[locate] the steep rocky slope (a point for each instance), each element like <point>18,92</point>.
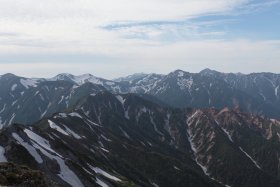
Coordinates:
<point>119,140</point>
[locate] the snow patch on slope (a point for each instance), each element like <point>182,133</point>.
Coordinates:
<point>75,135</point>
<point>43,145</point>
<point>180,74</point>
<point>155,126</point>
<point>32,151</point>
<point>13,87</point>
<point>3,109</point>
<point>75,114</point>
<point>66,132</point>
<point>40,141</point>
<point>100,182</point>
<point>56,127</point>
<point>225,131</point>
<point>28,83</point>
<point>124,133</point>
<point>65,173</point>
<point>104,173</point>
<point>121,99</point>
<point>184,83</point>
<point>193,147</point>
<point>1,123</point>
<point>2,155</point>
<point>255,163</point>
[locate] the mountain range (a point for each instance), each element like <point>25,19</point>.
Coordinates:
<point>28,100</point>
<point>180,129</point>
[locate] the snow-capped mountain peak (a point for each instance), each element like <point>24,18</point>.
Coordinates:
<point>79,79</point>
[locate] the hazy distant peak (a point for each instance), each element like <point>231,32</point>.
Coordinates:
<point>8,75</point>
<point>131,77</point>
<point>63,76</point>
<point>178,73</point>
<point>208,71</point>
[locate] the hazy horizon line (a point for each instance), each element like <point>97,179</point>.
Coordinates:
<point>135,73</point>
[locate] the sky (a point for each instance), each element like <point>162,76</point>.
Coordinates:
<point>113,38</point>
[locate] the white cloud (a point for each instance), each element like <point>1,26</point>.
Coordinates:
<point>114,10</point>
<point>34,29</point>
<point>56,24</point>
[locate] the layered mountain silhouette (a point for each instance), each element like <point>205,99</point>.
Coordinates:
<point>180,129</point>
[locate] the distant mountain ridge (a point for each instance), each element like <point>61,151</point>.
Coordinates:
<point>256,93</point>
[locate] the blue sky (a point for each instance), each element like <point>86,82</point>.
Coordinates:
<point>114,38</point>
